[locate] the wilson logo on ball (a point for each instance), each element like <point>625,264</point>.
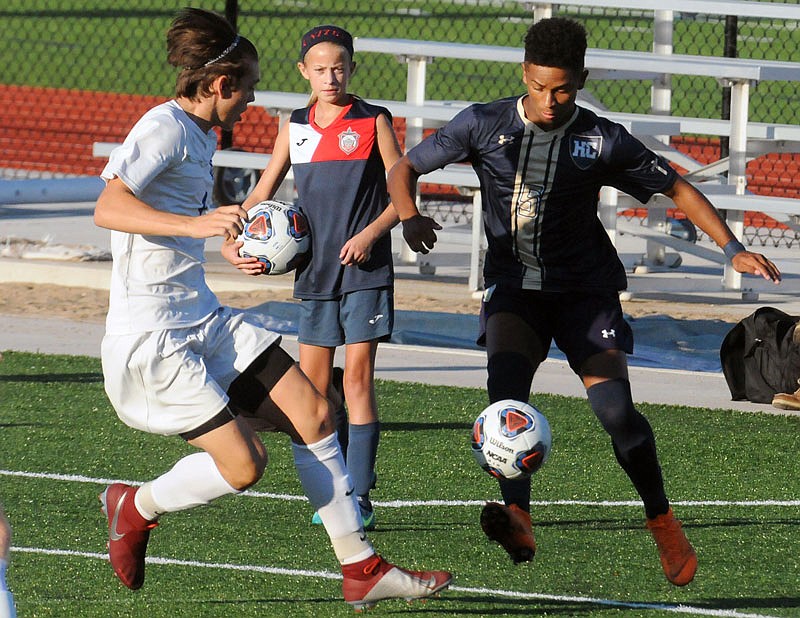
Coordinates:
<point>511,439</point>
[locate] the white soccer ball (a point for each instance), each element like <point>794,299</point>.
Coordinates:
<point>277,234</point>
<point>511,439</point>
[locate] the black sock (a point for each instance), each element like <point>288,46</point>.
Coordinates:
<point>633,441</point>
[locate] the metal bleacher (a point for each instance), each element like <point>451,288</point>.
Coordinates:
<point>724,181</point>
<point>740,74</point>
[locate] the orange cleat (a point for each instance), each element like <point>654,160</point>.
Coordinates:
<point>677,555</point>
<point>511,527</point>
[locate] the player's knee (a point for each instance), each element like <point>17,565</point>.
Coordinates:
<point>357,383</point>
<point>509,376</point>
<point>247,474</point>
<point>612,403</point>
<point>249,469</point>
<point>324,416</point>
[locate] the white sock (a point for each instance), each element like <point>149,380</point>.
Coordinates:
<point>193,481</point>
<point>7,605</point>
<point>329,488</point>
<point>6,600</point>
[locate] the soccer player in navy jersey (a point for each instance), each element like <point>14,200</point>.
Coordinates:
<point>551,271</point>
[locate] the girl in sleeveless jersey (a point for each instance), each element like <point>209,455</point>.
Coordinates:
<point>340,148</point>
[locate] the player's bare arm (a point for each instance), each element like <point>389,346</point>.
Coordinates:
<point>387,142</point>
<point>265,189</point>
<point>358,249</point>
<point>119,209</point>
<point>703,214</point>
<point>274,173</point>
<point>419,231</point>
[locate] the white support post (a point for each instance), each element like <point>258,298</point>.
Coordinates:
<point>740,102</point>
<point>542,10</point>
<point>661,92</point>
<point>661,104</point>
<point>415,95</point>
<point>478,249</point>
<point>609,199</point>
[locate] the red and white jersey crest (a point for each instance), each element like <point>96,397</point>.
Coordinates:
<point>348,141</point>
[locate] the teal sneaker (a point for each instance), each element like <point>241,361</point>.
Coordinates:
<point>367,518</point>
<point>367,513</point>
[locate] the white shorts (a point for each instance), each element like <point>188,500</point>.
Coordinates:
<point>172,381</point>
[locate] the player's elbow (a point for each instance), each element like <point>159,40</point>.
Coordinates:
<point>402,176</point>
<point>101,218</point>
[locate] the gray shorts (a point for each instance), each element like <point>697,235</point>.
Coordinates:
<point>364,315</point>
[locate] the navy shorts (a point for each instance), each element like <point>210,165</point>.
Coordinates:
<point>582,324</point>
<point>364,315</point>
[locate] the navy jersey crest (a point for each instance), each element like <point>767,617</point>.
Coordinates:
<point>585,150</point>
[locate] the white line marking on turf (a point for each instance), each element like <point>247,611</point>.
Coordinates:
<point>191,563</point>
<point>79,478</point>
<point>538,596</point>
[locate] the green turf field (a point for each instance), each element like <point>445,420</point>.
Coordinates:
<point>735,479</point>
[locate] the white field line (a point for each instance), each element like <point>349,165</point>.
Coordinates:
<point>534,596</point>
<point>677,609</point>
<point>78,478</point>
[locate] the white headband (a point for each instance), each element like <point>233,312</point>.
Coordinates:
<point>228,50</point>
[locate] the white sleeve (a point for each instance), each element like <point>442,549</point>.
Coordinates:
<point>149,148</point>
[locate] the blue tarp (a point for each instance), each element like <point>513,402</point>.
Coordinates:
<point>660,341</point>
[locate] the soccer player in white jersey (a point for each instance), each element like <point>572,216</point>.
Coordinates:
<point>339,148</point>
<point>176,362</point>
<point>551,272</point>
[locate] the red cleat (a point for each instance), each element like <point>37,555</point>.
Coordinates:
<point>128,533</point>
<point>372,580</point>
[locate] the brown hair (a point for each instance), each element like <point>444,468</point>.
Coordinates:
<point>204,46</point>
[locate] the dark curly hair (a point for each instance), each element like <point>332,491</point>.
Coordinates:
<point>556,42</point>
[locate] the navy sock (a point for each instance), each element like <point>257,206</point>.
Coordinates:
<point>342,429</point>
<point>340,415</point>
<point>517,492</point>
<point>361,454</point>
<point>510,377</point>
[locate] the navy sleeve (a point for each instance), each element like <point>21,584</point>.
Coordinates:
<point>450,144</point>
<point>635,169</point>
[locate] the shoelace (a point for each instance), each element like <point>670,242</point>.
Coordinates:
<point>373,567</point>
